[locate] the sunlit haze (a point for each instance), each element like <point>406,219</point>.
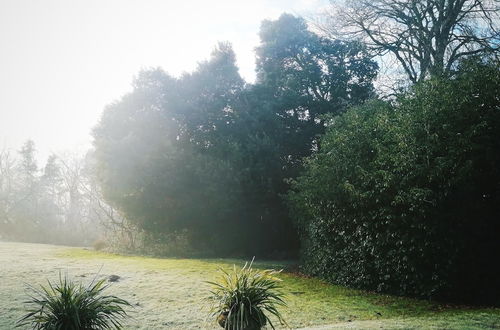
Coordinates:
<point>63,61</point>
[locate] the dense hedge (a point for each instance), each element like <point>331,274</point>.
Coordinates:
<point>404,197</point>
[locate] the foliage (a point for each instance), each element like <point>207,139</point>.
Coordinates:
<point>404,197</point>
<point>158,158</point>
<point>303,75</point>
<point>242,297</point>
<point>71,306</point>
<point>207,155</point>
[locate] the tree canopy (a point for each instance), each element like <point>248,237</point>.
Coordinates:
<point>206,156</point>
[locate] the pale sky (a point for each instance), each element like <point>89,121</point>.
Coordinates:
<point>62,61</point>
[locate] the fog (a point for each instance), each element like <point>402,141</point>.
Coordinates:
<point>336,161</point>
<point>63,61</point>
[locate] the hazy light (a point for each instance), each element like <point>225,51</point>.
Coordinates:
<point>62,61</point>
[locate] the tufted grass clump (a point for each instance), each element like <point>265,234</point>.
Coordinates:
<point>72,306</point>
<point>243,299</point>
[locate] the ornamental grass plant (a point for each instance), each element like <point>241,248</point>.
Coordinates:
<point>245,299</point>
<point>68,305</point>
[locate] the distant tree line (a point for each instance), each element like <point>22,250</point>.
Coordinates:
<point>58,203</point>
<point>36,203</point>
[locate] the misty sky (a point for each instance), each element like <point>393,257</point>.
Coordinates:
<point>62,61</point>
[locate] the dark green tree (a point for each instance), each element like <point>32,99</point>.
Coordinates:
<point>300,77</point>
<point>304,76</point>
<point>167,159</point>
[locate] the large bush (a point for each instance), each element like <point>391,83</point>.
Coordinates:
<point>404,197</point>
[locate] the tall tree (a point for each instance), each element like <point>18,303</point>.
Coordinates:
<point>51,177</point>
<point>28,195</point>
<point>205,156</point>
<point>28,166</point>
<point>304,76</point>
<point>165,156</point>
<point>51,194</point>
<point>207,95</point>
<point>7,191</point>
<point>427,37</point>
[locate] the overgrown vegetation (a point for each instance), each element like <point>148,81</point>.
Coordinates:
<point>72,306</point>
<point>403,197</point>
<point>243,298</point>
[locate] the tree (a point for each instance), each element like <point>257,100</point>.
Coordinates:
<point>206,156</point>
<point>51,179</point>
<point>28,166</point>
<point>303,76</point>
<point>27,198</point>
<point>51,171</point>
<point>118,231</point>
<point>206,97</point>
<point>8,186</point>
<point>404,197</point>
<point>427,37</point>
<point>166,158</point>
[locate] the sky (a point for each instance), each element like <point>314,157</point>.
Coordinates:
<point>62,61</point>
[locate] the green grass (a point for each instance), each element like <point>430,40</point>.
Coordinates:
<point>170,293</point>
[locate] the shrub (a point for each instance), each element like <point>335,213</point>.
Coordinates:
<point>404,197</point>
<point>70,306</point>
<point>99,244</point>
<point>243,296</point>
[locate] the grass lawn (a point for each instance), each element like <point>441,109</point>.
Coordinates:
<point>170,293</point>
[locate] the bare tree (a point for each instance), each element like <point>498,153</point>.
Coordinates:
<point>427,37</point>
<point>7,189</point>
<point>85,205</point>
<point>62,203</point>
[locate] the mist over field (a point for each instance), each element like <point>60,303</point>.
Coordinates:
<point>305,164</point>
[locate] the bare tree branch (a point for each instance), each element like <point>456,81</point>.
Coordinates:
<point>427,37</point>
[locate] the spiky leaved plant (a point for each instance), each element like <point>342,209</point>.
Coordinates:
<point>244,298</point>
<point>71,306</point>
